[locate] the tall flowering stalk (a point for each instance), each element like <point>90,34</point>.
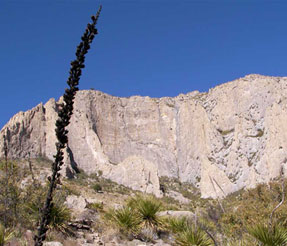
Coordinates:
<point>64,116</point>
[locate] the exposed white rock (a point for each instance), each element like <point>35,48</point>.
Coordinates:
<point>232,137</point>
<point>177,214</point>
<point>53,244</point>
<point>138,174</point>
<point>76,203</point>
<point>177,196</point>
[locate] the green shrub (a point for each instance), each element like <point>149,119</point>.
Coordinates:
<point>275,236</point>
<point>147,208</point>
<point>10,192</point>
<point>192,237</point>
<point>97,187</point>
<point>125,219</point>
<point>96,206</point>
<point>60,215</point>
<point>177,225</point>
<point>70,190</point>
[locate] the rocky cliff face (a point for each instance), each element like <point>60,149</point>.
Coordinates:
<point>232,137</point>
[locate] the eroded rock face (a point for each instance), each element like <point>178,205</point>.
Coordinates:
<point>232,137</point>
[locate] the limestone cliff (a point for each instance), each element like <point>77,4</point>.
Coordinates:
<point>232,137</point>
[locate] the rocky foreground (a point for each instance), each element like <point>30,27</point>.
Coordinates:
<point>90,210</point>
<point>233,137</point>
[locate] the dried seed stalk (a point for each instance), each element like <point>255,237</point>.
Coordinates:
<point>64,116</point>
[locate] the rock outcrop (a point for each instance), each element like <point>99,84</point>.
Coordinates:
<point>232,137</point>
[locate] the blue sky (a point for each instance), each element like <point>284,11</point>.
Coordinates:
<point>144,47</point>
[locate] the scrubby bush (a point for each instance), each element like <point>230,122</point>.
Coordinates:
<point>97,187</point>
<point>97,206</point>
<point>10,195</point>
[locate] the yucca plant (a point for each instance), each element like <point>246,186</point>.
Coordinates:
<point>126,219</point>
<point>177,225</point>
<point>266,236</point>
<point>147,208</point>
<point>60,215</point>
<point>192,237</point>
<point>5,235</point>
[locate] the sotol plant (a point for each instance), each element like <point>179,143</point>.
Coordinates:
<point>266,236</point>
<point>63,121</point>
<point>125,219</point>
<point>193,237</point>
<point>147,209</point>
<point>177,225</point>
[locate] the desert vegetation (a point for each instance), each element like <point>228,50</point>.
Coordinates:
<point>131,215</point>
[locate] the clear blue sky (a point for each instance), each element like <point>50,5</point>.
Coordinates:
<point>144,47</point>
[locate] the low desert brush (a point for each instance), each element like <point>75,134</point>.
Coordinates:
<point>193,237</point>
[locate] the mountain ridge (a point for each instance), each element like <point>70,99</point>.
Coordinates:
<point>220,141</point>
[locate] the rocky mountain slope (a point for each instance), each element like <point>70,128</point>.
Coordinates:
<point>232,137</point>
